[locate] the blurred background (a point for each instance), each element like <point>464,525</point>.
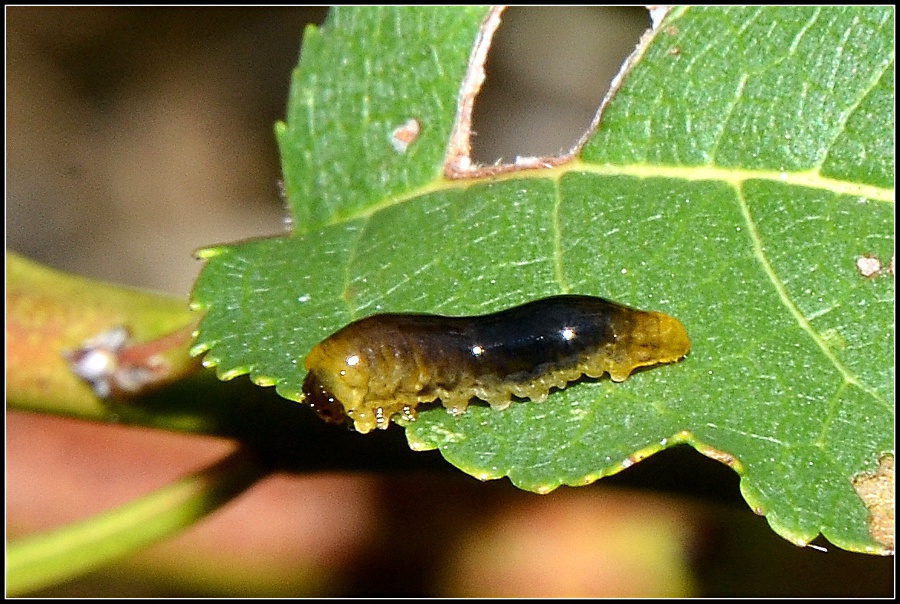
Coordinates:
<point>137,135</point>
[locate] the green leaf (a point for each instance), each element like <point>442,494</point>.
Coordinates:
<point>367,73</point>
<point>742,169</point>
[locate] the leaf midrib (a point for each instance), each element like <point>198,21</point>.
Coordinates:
<point>735,177</point>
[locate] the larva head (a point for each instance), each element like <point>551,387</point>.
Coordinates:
<point>339,375</point>
<point>322,401</point>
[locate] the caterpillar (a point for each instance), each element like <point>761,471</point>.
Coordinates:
<point>387,364</point>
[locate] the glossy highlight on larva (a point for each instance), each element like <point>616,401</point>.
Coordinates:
<point>387,364</point>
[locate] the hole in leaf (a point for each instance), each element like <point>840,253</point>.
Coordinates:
<point>547,72</point>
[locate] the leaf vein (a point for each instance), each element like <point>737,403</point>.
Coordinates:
<point>557,239</point>
<point>723,128</point>
<point>841,124</point>
<point>786,300</point>
<point>351,257</point>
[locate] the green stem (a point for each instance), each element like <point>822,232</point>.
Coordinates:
<point>41,560</point>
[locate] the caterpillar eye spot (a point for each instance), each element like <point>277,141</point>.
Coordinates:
<point>521,352</point>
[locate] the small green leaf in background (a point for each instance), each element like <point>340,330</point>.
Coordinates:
<point>742,169</point>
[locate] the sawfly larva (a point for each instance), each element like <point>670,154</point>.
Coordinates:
<point>386,364</point>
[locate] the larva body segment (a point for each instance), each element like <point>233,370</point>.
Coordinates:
<point>389,363</point>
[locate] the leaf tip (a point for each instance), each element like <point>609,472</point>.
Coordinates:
<point>226,374</point>
<point>291,394</point>
<point>199,348</point>
<point>206,253</point>
<point>264,380</point>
